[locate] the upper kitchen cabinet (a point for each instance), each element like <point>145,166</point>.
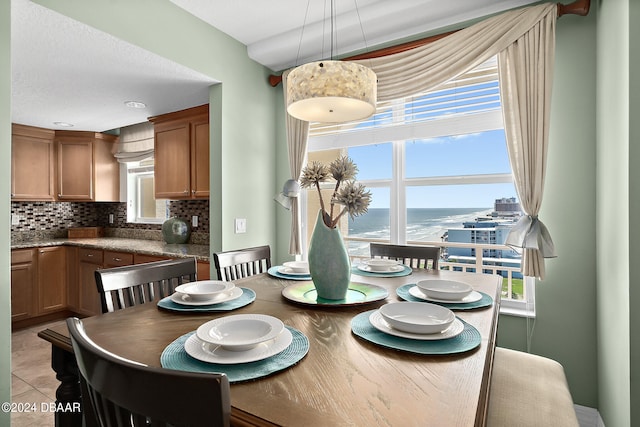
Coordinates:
<point>181,152</point>
<point>87,169</point>
<point>32,163</point>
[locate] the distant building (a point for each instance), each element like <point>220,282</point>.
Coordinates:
<point>491,230</point>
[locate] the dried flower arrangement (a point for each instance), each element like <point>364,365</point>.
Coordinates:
<point>348,193</point>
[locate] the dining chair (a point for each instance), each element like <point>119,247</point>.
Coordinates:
<point>413,256</point>
<point>232,265</point>
<point>118,391</point>
<point>122,287</point>
<point>528,390</point>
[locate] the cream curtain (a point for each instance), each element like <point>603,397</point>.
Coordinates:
<point>526,72</point>
<point>524,40</point>
<point>297,134</point>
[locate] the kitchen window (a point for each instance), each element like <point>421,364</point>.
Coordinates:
<point>142,206</point>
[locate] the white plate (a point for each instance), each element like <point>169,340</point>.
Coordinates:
<point>289,272</point>
<point>394,269</point>
<point>240,332</point>
<point>472,297</point>
<point>212,353</point>
<point>378,322</point>
<point>185,299</point>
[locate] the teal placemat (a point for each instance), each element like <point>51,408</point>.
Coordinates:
<point>247,297</point>
<point>469,338</point>
<point>485,301</point>
<point>174,356</point>
<point>273,271</point>
<point>404,272</point>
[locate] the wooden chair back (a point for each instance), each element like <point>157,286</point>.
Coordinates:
<point>413,256</point>
<point>122,287</point>
<point>123,392</point>
<point>232,265</point>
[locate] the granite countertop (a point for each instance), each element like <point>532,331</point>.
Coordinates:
<point>139,246</point>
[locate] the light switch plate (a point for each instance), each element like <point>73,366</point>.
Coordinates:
<point>194,221</point>
<point>241,225</point>
<point>15,219</point>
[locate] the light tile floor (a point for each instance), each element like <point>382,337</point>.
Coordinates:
<point>32,379</point>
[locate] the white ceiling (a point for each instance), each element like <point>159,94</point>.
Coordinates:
<point>65,71</point>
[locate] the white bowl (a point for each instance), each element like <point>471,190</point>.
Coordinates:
<point>380,264</point>
<point>417,317</point>
<point>444,289</point>
<point>240,332</point>
<point>205,290</point>
<point>297,266</point>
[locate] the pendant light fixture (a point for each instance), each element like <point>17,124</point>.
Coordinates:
<point>331,91</point>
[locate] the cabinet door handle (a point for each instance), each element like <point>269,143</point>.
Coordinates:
<point>185,192</point>
<point>89,255</point>
<point>117,259</point>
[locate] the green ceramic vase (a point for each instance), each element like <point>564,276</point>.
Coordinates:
<point>329,262</point>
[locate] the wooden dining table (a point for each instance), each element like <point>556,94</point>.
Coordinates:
<point>343,380</point>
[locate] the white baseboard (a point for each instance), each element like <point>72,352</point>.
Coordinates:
<point>588,417</point>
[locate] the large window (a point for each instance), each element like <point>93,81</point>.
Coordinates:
<point>437,167</point>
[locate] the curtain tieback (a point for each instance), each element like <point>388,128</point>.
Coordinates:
<point>531,233</point>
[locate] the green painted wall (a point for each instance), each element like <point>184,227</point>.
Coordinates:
<point>634,213</point>
<point>565,325</point>
<point>243,124</point>
<point>5,207</point>
<point>613,210</point>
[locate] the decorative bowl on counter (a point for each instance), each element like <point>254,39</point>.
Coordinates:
<point>176,230</point>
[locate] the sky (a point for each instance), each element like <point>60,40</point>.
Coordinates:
<point>478,153</point>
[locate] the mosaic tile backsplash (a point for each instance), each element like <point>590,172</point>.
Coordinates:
<point>44,220</point>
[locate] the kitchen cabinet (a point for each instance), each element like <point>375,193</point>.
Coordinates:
<point>22,284</point>
<point>32,163</point>
<point>52,279</point>
<point>87,170</point>
<point>181,153</point>
<point>89,260</point>
<point>38,282</point>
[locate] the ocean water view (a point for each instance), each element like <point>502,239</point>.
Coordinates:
<point>423,224</point>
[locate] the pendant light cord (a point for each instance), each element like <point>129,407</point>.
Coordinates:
<point>304,24</point>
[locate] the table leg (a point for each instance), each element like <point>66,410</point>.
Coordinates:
<point>68,397</point>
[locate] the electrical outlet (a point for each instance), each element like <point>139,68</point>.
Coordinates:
<point>241,225</point>
<point>15,219</point>
<point>194,221</point>
<point>110,218</point>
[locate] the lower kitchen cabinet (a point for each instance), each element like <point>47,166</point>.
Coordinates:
<point>52,279</point>
<point>22,284</point>
<point>89,260</point>
<point>38,282</point>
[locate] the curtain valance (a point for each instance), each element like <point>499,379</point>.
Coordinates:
<point>135,143</point>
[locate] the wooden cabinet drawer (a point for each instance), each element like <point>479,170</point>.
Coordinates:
<point>93,256</point>
<point>117,259</point>
<point>144,258</point>
<point>20,256</point>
